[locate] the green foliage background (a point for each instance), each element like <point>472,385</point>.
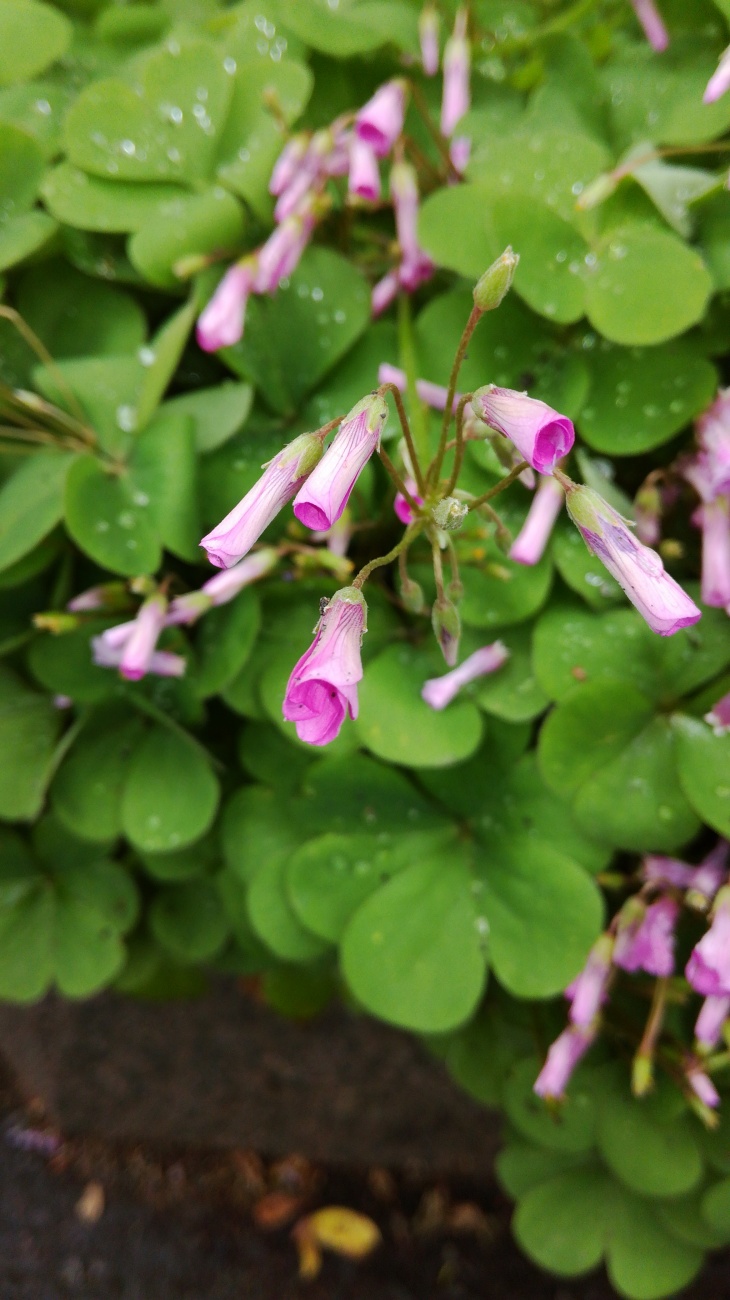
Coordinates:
<point>437,870</point>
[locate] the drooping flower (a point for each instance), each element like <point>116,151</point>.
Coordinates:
<point>534,535</point>
<point>562,1058</point>
<point>380,121</point>
<point>702,1085</point>
<point>401,506</point>
<point>132,647</point>
<point>279,256</point>
<point>456,98</point>
<point>428,32</point>
<point>221,322</point>
<point>719,715</point>
<point>640,571</point>
<point>322,688</point>
<point>234,536</point>
<point>589,989</point>
<point>364,179</point>
<point>648,943</point>
<point>652,23</point>
<point>713,1014</point>
<point>221,588</point>
<point>543,436</point>
<point>321,500</point>
<point>440,691</point>
<point>708,968</point>
<point>720,80</point>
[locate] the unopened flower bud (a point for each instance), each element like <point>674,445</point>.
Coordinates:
<point>411,594</point>
<point>495,284</point>
<point>449,514</point>
<point>447,628</point>
<point>55,622</point>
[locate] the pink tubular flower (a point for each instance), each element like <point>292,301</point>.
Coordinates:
<point>440,691</point>
<point>321,500</point>
<point>364,179</point>
<point>589,989</point>
<point>401,506</point>
<point>720,80</point>
<point>714,519</point>
<point>713,1014</point>
<point>708,968</point>
<point>380,121</point>
<point>658,870</point>
<point>404,195</point>
<point>534,535</point>
<point>719,715</point>
<point>384,293</point>
<point>457,60</point>
<point>639,570</point>
<point>428,32</point>
<point>223,587</point>
<point>707,878</point>
<point>652,23</point>
<point>278,257</point>
<point>460,152</point>
<point>539,433</point>
<point>131,647</point>
<point>649,945</point>
<point>562,1058</point>
<point>234,536</point>
<point>703,1087</point>
<point>288,163</point>
<point>322,688</point>
<point>220,324</point>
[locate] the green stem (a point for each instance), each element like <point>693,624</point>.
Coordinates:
<point>471,324</point>
<point>407,356</point>
<point>459,454</point>
<point>438,568</point>
<point>500,487</point>
<point>405,426</point>
<point>397,480</point>
<point>411,532</point>
<point>439,141</point>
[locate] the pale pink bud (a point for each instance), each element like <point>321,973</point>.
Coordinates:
<point>534,535</point>
<point>404,195</point>
<point>702,1086</point>
<point>401,506</point>
<point>542,435</point>
<point>713,435</point>
<point>708,968</point>
<point>223,587</point>
<point>428,32</point>
<point>440,691</point>
<point>220,324</point>
<point>658,870</point>
<point>720,79</point>
<point>714,520</point>
<point>589,989</point>
<point>460,152</point>
<point>639,570</point>
<point>131,646</point>
<point>234,536</point>
<point>288,163</point>
<point>384,292</point>
<point>648,944</point>
<point>652,23</point>
<point>325,494</point>
<point>87,601</point>
<point>562,1058</point>
<point>279,256</point>
<point>62,702</point>
<point>433,395</point>
<point>364,179</point>
<point>713,1014</point>
<point>322,688</point>
<point>719,715</point>
<point>380,121</point>
<point>457,62</point>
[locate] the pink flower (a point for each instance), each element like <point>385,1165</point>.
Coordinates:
<point>713,1014</point>
<point>325,494</point>
<point>534,535</point>
<point>714,519</point>
<point>279,256</point>
<point>708,968</point>
<point>460,152</point>
<point>234,536</point>
<point>401,506</point>
<point>457,60</point>
<point>648,944</point>
<point>223,587</point>
<point>589,989</point>
<point>364,179</point>
<point>702,1086</point>
<point>651,21</point>
<point>415,272</point>
<point>440,691</point>
<point>384,292</point>
<point>288,163</point>
<point>720,79</point>
<point>659,870</point>
<point>562,1058</point>
<point>719,715</point>
<point>639,570</point>
<point>428,32</point>
<point>322,688</point>
<point>542,435</point>
<point>404,195</point>
<point>380,121</point>
<point>131,647</point>
<point>713,436</point>
<point>220,324</point>
<point>707,878</point>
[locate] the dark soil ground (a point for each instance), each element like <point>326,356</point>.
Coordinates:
<point>103,1222</point>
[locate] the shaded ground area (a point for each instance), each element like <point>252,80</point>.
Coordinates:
<point>191,1226</point>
